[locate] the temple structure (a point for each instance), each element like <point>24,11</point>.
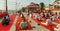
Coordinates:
<point>32,7</point>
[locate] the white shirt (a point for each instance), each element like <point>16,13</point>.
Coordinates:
<point>45,14</point>
<point>30,15</point>
<point>36,16</point>
<point>21,15</point>
<point>57,29</point>
<point>53,17</point>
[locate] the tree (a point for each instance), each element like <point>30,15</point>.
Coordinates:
<point>42,5</point>
<point>37,4</point>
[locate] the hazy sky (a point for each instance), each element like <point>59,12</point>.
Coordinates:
<point>21,3</point>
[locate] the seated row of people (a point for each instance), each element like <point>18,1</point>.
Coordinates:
<point>49,18</point>
<point>45,15</point>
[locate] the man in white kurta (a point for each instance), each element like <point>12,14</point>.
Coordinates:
<point>58,28</point>
<point>53,18</point>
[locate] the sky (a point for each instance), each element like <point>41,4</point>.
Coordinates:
<point>21,3</point>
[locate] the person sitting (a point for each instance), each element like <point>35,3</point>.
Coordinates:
<point>8,18</point>
<point>36,16</point>
<point>20,15</point>
<point>23,24</point>
<point>53,17</point>
<point>30,15</point>
<point>5,21</point>
<point>59,15</point>
<point>48,22</point>
<point>39,18</point>
<point>47,15</point>
<point>57,28</point>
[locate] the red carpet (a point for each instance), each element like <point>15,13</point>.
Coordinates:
<point>1,14</point>
<point>48,27</point>
<point>7,28</point>
<point>19,21</point>
<point>57,21</point>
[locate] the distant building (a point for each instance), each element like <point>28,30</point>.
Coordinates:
<point>32,7</point>
<point>57,5</point>
<point>54,7</point>
<point>50,7</point>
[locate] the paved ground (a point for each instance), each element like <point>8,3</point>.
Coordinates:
<point>13,28</point>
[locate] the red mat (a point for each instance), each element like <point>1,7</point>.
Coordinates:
<point>7,28</point>
<point>1,14</point>
<point>48,27</point>
<point>57,21</point>
<point>18,23</point>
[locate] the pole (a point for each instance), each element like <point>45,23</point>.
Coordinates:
<point>6,6</point>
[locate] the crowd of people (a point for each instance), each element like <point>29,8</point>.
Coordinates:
<point>46,15</point>
<point>50,17</point>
